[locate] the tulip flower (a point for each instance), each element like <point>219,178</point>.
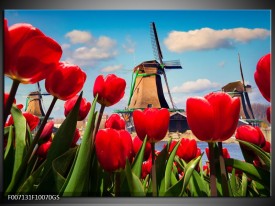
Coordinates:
<point>213,117</point>
<point>46,133</point>
<point>137,143</point>
<point>152,122</point>
<point>251,134</point>
<point>146,168</point>
<point>262,76</point>
<point>266,147</point>
<point>115,121</point>
<point>113,147</point>
<point>76,137</point>
<point>187,149</point>
<point>29,55</point>
<point>6,96</point>
<point>224,152</point>
<point>268,112</point>
<point>43,149</point>
<point>83,109</point>
<point>206,169</point>
<point>110,89</point>
<point>31,119</point>
<point>66,81</point>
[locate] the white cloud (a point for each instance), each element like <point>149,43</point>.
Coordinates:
<point>91,49</point>
<point>77,36</point>
<point>221,64</point>
<point>196,86</point>
<point>111,68</point>
<point>65,46</point>
<point>207,38</point>
<point>129,45</point>
<point>94,53</point>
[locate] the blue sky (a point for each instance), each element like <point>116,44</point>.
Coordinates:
<point>206,42</point>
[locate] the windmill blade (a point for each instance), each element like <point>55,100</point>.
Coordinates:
<point>155,43</point>
<point>172,64</point>
<point>245,92</point>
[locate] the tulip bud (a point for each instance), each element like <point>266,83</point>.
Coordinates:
<point>83,109</point>
<point>110,89</point>
<point>115,121</point>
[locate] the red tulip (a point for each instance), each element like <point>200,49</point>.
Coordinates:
<point>110,89</point>
<point>266,147</point>
<point>29,55</point>
<point>187,149</point>
<point>198,152</point>
<point>115,121</point>
<point>213,117</point>
<point>262,76</point>
<point>6,96</point>
<point>146,168</point>
<point>47,132</point>
<point>66,81</point>
<point>225,153</point>
<point>83,109</point>
<point>152,122</point>
<point>268,112</point>
<point>137,143</point>
<point>43,149</point>
<point>250,134</point>
<point>76,137</point>
<point>113,147</point>
<point>31,119</point>
<point>206,169</point>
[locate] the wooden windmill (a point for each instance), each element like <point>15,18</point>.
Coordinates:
<point>146,88</point>
<point>241,90</point>
<point>34,103</point>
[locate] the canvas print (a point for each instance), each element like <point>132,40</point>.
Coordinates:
<point>127,103</point>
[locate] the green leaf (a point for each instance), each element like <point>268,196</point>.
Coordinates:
<point>198,186</point>
<point>60,144</point>
<point>20,126</point>
<point>179,188</point>
<point>244,185</point>
<point>161,163</point>
<point>189,171</point>
<point>258,174</point>
<point>30,183</point>
<point>62,166</point>
<point>258,151</point>
<point>8,131</point>
<point>77,186</point>
<point>166,183</point>
<point>8,157</point>
<point>137,164</point>
<point>135,185</point>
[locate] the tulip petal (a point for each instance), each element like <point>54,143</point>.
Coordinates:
<point>139,120</point>
<point>200,118</point>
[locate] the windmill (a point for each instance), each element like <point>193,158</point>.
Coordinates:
<point>241,90</point>
<point>146,88</point>
<point>34,102</point>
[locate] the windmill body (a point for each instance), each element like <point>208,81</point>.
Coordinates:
<point>147,87</point>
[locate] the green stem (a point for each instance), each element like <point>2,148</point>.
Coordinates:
<point>14,87</point>
<point>117,184</point>
<point>223,171</point>
<point>153,172</point>
<point>212,160</point>
<point>12,187</point>
<point>98,121</point>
